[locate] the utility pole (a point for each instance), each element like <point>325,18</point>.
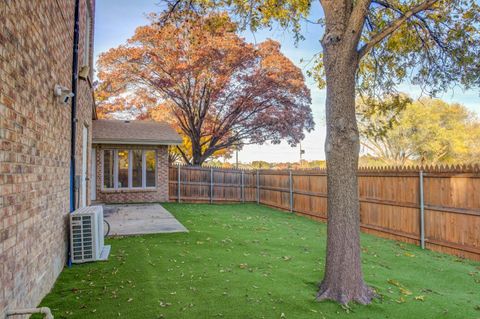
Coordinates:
<point>302,151</point>
<point>236,157</point>
<point>236,147</point>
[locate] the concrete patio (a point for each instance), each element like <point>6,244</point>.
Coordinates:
<point>138,219</point>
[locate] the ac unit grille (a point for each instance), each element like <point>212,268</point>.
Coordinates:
<point>82,236</point>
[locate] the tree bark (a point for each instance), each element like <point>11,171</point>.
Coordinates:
<point>343,281</point>
<point>196,153</point>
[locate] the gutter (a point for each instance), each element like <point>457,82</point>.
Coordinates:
<point>136,142</point>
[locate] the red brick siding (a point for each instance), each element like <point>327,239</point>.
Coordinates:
<point>36,39</point>
<point>159,194</point>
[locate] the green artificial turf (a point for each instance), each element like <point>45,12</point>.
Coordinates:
<point>249,261</point>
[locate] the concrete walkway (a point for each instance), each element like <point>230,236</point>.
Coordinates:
<point>140,219</point>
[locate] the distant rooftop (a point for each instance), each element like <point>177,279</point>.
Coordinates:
<point>134,132</point>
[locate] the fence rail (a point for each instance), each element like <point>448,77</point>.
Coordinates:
<point>435,207</point>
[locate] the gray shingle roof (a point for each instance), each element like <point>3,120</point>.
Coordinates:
<point>134,132</point>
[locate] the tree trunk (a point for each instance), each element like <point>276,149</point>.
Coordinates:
<point>197,158</point>
<point>343,280</point>
<point>196,161</point>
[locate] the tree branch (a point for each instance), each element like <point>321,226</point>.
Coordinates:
<point>182,153</point>
<point>394,26</point>
<point>357,18</point>
<point>422,22</point>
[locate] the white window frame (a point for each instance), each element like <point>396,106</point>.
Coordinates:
<point>102,169</point>
<point>115,169</point>
<point>144,169</point>
<point>130,169</point>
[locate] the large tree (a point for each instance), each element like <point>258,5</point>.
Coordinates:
<point>368,47</point>
<point>428,131</point>
<point>183,152</point>
<point>221,90</point>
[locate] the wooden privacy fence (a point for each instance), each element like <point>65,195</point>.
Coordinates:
<point>436,207</point>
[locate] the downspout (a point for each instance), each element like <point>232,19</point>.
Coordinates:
<point>76,36</point>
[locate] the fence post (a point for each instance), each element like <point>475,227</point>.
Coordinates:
<point>211,185</point>
<point>178,183</point>
<point>258,188</point>
<point>290,182</point>
<point>422,213</point>
<point>243,187</point>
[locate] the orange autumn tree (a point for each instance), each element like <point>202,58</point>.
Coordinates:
<point>220,90</point>
<point>182,152</point>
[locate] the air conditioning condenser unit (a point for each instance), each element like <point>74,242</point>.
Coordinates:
<point>86,235</point>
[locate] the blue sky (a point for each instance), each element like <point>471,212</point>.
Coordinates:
<point>116,21</point>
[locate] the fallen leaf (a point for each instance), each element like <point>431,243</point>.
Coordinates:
<point>165,304</point>
<point>405,292</point>
<point>394,282</point>
<point>420,298</point>
<point>346,308</point>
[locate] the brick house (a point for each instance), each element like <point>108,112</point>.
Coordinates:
<point>130,161</point>
<point>37,155</point>
<point>48,164</point>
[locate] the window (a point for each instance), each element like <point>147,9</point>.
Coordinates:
<point>88,28</point>
<point>137,169</point>
<point>129,169</point>
<point>108,165</point>
<point>150,165</point>
<point>122,169</point>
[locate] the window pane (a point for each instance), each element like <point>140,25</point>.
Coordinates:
<point>107,169</point>
<point>137,168</point>
<point>123,169</point>
<point>151,164</point>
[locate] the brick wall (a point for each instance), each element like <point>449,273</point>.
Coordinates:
<point>36,39</point>
<point>159,194</point>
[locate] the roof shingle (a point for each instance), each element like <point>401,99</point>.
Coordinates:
<point>134,132</point>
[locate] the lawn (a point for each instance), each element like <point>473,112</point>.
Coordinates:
<point>249,261</point>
